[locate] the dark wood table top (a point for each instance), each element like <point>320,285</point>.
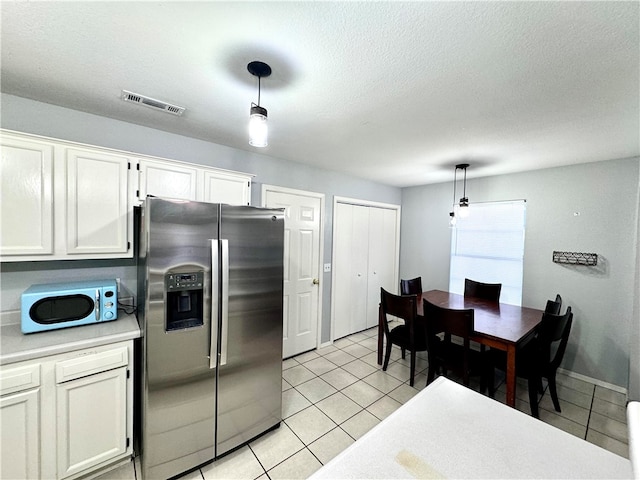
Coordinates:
<point>500,321</point>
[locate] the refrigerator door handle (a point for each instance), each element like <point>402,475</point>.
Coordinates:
<point>224,298</point>
<point>215,304</point>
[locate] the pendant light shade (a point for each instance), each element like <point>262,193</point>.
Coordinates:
<point>258,128</point>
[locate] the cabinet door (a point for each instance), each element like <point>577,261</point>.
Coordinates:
<point>221,187</point>
<point>167,179</point>
<point>26,197</point>
<point>97,203</point>
<point>91,420</point>
<point>20,435</point>
<point>382,259</point>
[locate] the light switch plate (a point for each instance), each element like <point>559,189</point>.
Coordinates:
<point>327,267</point>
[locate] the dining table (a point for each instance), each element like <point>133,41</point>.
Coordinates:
<point>497,325</point>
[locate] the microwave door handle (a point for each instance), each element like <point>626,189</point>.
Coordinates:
<point>97,305</point>
<point>213,338</point>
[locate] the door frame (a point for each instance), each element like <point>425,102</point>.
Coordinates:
<point>364,203</point>
<point>306,193</point>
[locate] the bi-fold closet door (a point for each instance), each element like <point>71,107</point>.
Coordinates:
<point>365,258</point>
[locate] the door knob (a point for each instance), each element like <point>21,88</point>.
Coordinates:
<point>316,281</point>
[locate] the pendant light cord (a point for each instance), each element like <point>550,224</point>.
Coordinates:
<point>464,191</point>
<point>258,90</point>
<point>455,177</point>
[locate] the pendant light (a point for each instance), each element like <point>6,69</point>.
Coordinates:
<point>258,130</point>
<point>462,208</point>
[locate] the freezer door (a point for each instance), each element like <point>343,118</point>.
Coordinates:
<point>250,370</point>
<point>178,401</point>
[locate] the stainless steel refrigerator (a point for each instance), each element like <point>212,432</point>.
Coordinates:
<point>210,286</point>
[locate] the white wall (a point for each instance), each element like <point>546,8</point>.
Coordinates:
<point>634,338</point>
<point>28,116</point>
<point>602,298</point>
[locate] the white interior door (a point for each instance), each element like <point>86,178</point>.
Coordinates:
<point>303,212</point>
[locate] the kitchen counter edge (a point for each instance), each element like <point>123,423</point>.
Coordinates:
<point>17,347</point>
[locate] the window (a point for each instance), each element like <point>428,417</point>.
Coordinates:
<point>488,246</point>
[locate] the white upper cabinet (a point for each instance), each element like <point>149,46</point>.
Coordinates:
<point>170,179</point>
<point>97,203</point>
<point>167,179</point>
<point>224,187</point>
<point>61,200</point>
<point>26,197</point>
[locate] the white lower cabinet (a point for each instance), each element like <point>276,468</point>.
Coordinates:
<point>20,435</point>
<point>67,415</point>
<point>92,421</point>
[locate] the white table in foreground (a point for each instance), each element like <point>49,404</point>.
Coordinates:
<point>449,431</point>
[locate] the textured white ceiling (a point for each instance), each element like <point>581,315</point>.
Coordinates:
<point>395,92</point>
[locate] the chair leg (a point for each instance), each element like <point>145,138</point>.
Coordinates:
<point>540,386</point>
<point>387,355</point>
<point>491,381</point>
<point>403,352</point>
<point>554,392</point>
<point>532,383</point>
<point>413,367</point>
<point>431,372</point>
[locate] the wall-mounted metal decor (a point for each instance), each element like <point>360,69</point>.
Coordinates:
<point>576,258</point>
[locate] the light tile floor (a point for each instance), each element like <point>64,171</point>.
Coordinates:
<point>333,396</point>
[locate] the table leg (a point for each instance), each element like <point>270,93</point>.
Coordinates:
<point>511,375</point>
<point>380,334</point>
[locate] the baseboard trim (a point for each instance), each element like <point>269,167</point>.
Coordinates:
<point>600,383</point>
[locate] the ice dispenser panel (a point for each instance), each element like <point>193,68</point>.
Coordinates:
<point>184,300</point>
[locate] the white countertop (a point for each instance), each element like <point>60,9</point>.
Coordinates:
<point>633,425</point>
<point>449,431</point>
<point>16,346</point>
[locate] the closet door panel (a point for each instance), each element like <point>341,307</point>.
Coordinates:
<point>360,267</point>
<point>342,284</point>
<point>382,259</point>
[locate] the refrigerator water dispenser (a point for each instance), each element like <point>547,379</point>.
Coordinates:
<point>184,300</point>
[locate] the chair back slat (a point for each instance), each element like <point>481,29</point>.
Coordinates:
<point>487,291</point>
<point>451,321</point>
<point>412,286</point>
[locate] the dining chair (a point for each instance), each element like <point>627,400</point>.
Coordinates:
<point>410,336</point>
<point>554,306</point>
<point>411,287</point>
<point>487,291</point>
<point>443,353</point>
<point>541,357</point>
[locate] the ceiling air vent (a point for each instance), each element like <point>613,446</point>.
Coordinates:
<point>152,102</point>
